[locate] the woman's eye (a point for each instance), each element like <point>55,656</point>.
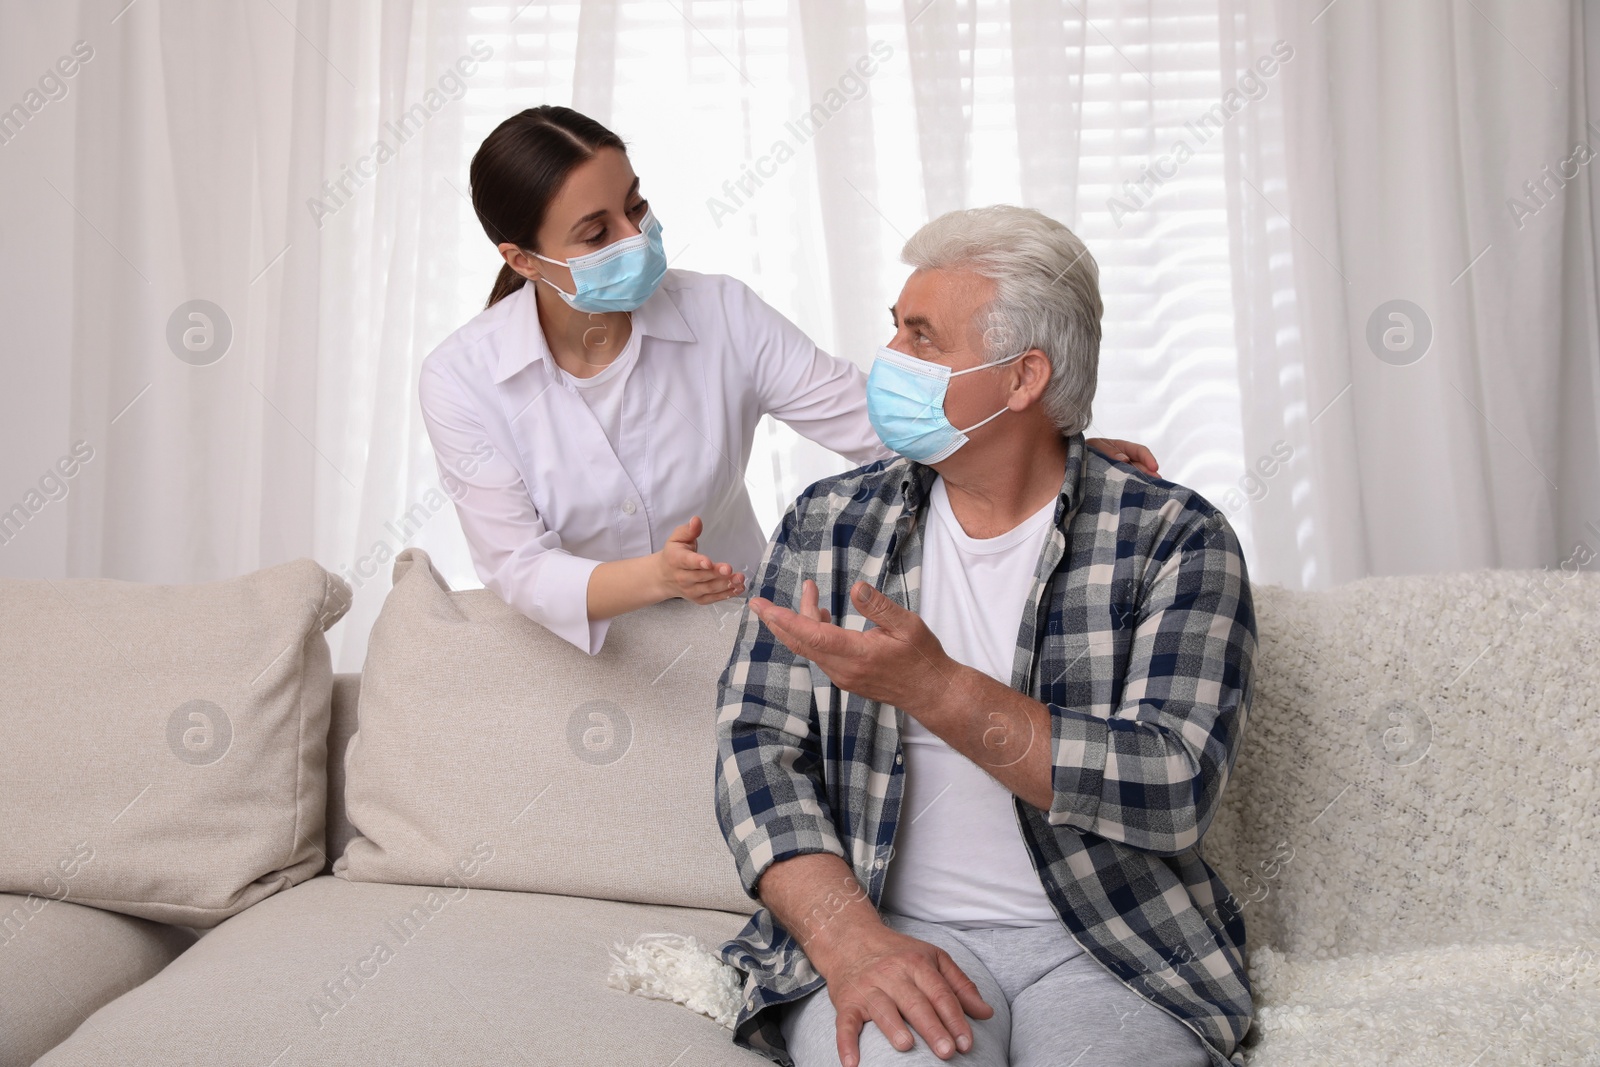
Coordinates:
<point>640,206</point>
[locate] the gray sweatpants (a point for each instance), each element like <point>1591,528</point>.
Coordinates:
<point>1054,1006</point>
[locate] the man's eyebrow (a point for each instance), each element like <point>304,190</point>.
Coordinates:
<point>591,216</point>
<point>919,322</point>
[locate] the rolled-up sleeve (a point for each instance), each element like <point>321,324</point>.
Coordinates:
<point>771,796</point>
<point>1152,774</point>
<point>515,554</point>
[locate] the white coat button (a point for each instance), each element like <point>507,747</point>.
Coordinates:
<point>627,507</point>
<point>878,863</point>
<point>898,759</point>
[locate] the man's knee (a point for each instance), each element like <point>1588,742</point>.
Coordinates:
<point>810,1029</point>
<point>810,1024</point>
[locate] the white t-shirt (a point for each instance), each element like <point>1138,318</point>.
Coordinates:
<point>604,391</point>
<point>959,857</point>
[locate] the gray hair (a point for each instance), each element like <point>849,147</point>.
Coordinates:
<point>1047,294</point>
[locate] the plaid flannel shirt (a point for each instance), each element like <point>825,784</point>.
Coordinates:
<point>1138,634</point>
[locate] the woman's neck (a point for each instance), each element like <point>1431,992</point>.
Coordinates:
<point>583,343</point>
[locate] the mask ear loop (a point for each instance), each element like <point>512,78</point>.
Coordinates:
<point>557,288</point>
<point>990,419</point>
<point>547,281</point>
<point>986,366</point>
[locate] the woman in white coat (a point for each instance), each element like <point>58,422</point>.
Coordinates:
<point>594,422</point>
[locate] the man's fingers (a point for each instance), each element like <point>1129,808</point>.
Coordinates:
<point>777,620</point>
<point>886,1013</point>
<point>876,606</point>
<point>936,985</point>
<point>809,606</point>
<point>847,1032</point>
<point>922,1008</point>
<point>801,634</point>
<point>965,989</point>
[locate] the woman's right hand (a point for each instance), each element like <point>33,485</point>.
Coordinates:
<point>684,572</point>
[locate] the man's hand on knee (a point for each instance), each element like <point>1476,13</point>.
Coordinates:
<point>893,979</point>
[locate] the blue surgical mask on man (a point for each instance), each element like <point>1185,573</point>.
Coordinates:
<point>619,277</point>
<point>905,403</point>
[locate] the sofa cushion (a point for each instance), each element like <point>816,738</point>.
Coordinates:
<point>60,961</point>
<point>165,748</point>
<point>590,776</point>
<point>359,973</point>
<point>1511,1005</point>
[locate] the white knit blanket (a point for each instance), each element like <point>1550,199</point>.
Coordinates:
<point>1414,825</point>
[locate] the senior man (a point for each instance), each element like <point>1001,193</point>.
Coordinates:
<point>983,705</point>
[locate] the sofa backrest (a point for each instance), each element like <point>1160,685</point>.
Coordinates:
<point>1418,764</point>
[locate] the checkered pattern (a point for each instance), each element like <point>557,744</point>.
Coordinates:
<point>1138,633</point>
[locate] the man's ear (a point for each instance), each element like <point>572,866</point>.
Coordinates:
<point>1037,371</point>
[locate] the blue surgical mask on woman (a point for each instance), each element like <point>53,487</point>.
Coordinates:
<point>619,277</point>
<point>905,403</point>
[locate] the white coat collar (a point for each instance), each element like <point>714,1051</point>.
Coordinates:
<point>657,317</point>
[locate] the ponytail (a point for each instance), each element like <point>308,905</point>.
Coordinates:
<point>508,282</point>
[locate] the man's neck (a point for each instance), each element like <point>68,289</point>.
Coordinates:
<point>1021,472</point>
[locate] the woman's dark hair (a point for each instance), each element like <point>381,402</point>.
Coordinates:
<point>518,170</point>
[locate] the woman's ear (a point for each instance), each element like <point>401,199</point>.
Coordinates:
<point>520,261</point>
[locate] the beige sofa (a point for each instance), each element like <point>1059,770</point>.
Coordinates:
<point>1411,827</point>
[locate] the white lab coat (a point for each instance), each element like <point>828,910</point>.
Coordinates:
<point>542,496</point>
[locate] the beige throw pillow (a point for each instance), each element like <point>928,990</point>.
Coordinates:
<point>165,745</point>
<point>482,734</point>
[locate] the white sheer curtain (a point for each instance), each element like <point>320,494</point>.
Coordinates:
<point>1256,178</point>
<point>1413,132</point>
